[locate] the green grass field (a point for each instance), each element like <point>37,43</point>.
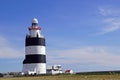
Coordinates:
<point>67,77</point>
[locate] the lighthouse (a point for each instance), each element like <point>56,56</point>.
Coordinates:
<point>35,51</point>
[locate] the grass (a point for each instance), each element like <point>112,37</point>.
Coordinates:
<point>67,77</point>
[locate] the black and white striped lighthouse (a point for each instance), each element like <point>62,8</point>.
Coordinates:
<point>35,52</point>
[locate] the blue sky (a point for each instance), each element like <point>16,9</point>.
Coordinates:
<point>82,35</point>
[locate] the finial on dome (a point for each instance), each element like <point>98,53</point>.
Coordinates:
<point>34,20</point>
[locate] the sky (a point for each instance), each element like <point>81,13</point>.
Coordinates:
<point>82,35</point>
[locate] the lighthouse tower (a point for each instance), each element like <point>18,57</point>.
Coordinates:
<point>35,54</point>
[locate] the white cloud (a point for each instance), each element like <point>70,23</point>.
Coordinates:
<point>113,24</point>
<point>7,51</point>
<point>85,55</point>
<point>111,20</point>
<point>108,11</point>
<point>104,12</point>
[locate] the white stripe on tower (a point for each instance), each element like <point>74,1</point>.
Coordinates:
<point>35,52</point>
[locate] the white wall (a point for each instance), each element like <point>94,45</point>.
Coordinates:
<point>38,68</point>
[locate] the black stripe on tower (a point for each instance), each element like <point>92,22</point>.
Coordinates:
<point>35,58</point>
<point>34,41</point>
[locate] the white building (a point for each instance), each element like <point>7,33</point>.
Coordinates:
<point>55,69</point>
<point>69,72</point>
